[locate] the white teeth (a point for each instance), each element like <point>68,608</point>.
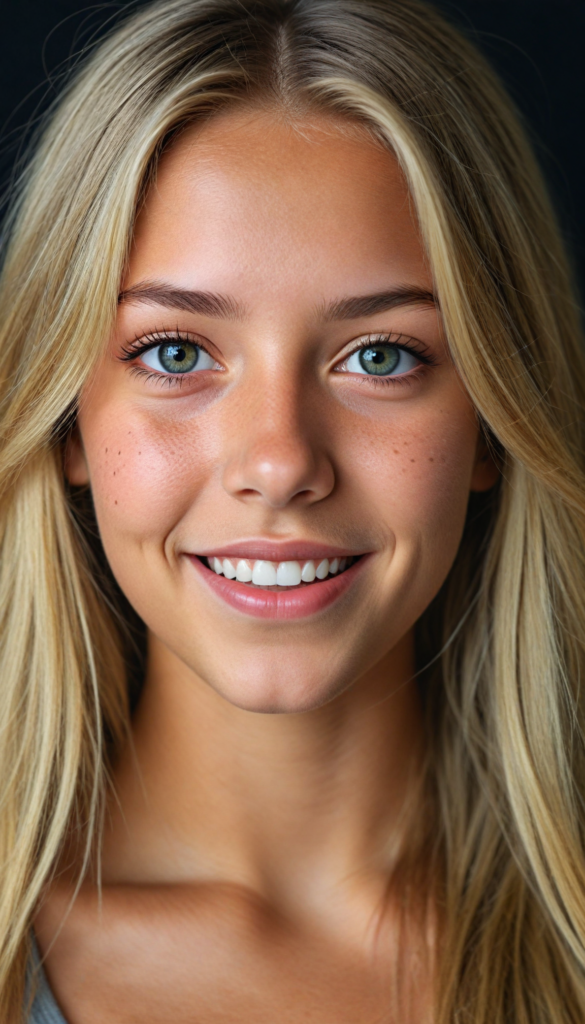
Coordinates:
<point>244,571</point>
<point>308,573</point>
<point>322,569</point>
<point>264,574</point>
<point>270,574</point>
<point>228,569</point>
<point>288,574</point>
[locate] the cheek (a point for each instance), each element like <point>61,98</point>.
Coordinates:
<point>416,471</point>
<point>145,471</point>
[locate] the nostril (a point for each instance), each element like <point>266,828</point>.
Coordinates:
<point>303,495</point>
<point>277,500</point>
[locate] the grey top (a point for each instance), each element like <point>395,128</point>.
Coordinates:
<point>44,1009</point>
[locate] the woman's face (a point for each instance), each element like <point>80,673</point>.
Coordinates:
<point>277,400</point>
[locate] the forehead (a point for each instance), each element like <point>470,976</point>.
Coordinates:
<point>250,198</point>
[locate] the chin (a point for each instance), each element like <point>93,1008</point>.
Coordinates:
<point>278,692</point>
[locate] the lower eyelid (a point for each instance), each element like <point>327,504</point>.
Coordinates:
<point>163,380</point>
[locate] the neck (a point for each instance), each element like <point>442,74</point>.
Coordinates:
<point>290,806</point>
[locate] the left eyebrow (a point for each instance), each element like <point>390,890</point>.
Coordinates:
<point>367,305</point>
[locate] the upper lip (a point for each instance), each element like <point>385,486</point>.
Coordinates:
<point>278,551</point>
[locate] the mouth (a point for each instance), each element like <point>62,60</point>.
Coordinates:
<point>284,589</point>
<point>279,576</point>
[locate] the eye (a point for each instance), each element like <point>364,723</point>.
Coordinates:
<point>177,357</point>
<point>381,359</point>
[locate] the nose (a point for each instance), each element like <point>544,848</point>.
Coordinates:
<point>277,453</point>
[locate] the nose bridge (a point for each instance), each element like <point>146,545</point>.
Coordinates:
<point>276,454</point>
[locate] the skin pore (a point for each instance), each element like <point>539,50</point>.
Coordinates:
<point>258,810</point>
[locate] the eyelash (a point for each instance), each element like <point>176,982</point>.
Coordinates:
<point>411,345</point>
<point>144,343</point>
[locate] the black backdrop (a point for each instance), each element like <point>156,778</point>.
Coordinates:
<point>536,45</point>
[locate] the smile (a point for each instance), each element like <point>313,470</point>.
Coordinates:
<point>279,589</point>
<point>262,573</point>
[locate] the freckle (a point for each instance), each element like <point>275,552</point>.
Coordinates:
<point>114,472</point>
<point>106,451</point>
<point>396,452</point>
<point>412,460</point>
<point>119,453</point>
<point>431,460</point>
<point>115,503</point>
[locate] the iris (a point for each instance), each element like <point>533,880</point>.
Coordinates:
<point>178,357</point>
<point>379,359</point>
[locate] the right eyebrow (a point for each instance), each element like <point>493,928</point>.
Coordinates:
<point>155,293</point>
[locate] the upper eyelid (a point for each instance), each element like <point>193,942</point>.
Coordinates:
<point>143,342</point>
<point>404,341</point>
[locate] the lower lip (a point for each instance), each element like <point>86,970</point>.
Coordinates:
<point>280,604</point>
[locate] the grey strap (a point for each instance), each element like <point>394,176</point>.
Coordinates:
<point>44,1009</point>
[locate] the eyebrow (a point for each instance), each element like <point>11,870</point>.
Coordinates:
<point>224,307</point>
<point>154,293</point>
<point>381,302</point>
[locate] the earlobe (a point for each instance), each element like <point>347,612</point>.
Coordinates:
<point>74,461</point>
<point>485,471</point>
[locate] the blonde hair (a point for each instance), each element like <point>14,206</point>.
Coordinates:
<point>505,635</point>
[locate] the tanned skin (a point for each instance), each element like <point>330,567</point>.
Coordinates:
<point>257,812</point>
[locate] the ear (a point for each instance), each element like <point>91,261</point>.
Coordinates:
<point>74,461</point>
<point>485,470</point>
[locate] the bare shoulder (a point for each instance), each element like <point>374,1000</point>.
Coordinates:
<point>200,954</point>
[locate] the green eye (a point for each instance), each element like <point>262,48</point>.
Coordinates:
<point>379,359</point>
<point>382,360</point>
<point>178,357</point>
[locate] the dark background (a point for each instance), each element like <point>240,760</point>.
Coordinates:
<point>536,45</point>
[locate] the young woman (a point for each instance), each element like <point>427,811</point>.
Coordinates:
<point>292,390</point>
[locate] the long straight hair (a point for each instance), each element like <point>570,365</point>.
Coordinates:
<point>505,635</point>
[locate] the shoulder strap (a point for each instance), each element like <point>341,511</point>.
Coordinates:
<point>44,1009</point>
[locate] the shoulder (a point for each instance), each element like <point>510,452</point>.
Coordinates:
<point>141,952</point>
